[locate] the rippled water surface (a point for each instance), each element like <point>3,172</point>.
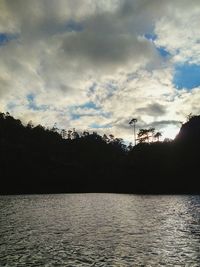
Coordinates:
<point>99,230</point>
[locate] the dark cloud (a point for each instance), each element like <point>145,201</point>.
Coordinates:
<point>164,123</point>
<point>154,110</point>
<point>96,50</point>
<point>112,39</point>
<point>124,124</point>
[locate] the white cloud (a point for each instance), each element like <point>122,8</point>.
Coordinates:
<point>178,31</point>
<point>101,57</point>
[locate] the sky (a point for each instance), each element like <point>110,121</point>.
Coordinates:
<point>96,64</point>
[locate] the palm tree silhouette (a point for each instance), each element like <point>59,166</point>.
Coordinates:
<point>133,122</point>
<point>157,136</point>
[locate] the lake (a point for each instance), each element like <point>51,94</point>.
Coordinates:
<point>99,230</point>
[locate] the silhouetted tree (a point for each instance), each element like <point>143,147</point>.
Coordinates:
<point>69,134</point>
<point>190,116</point>
<point>74,134</point>
<point>152,132</point>
<point>143,135</point>
<point>54,128</point>
<point>30,125</point>
<point>63,133</point>
<point>157,135</point>
<point>105,138</point>
<point>133,122</point>
<point>35,159</point>
<point>85,133</point>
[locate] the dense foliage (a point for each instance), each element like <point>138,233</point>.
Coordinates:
<point>39,160</point>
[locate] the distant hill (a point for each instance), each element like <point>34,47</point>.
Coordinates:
<point>34,159</point>
<point>190,131</point>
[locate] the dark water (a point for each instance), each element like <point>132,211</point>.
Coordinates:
<point>99,230</point>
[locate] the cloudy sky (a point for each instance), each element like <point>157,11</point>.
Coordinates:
<point>96,64</point>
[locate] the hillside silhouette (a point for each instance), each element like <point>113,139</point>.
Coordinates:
<point>34,159</point>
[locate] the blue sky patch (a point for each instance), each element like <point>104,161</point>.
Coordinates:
<point>187,76</point>
<point>91,106</point>
<point>6,37</point>
<point>87,105</point>
<point>150,36</point>
<point>163,52</point>
<point>72,26</point>
<point>75,116</point>
<point>32,105</point>
<point>98,126</point>
<point>3,38</point>
<point>31,102</point>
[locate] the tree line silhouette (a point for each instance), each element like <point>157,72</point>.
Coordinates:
<point>35,159</point>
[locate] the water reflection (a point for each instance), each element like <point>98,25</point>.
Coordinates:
<point>99,230</point>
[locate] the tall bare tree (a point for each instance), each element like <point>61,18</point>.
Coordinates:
<point>133,122</point>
